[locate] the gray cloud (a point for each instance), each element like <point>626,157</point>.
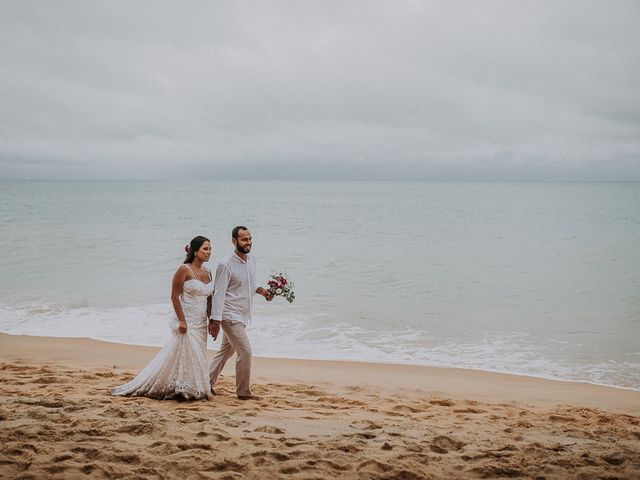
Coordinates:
<point>399,90</point>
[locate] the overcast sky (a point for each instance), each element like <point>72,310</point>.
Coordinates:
<point>508,90</point>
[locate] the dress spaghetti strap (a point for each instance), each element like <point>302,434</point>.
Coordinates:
<point>191,272</point>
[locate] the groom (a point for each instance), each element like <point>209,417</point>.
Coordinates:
<point>235,285</point>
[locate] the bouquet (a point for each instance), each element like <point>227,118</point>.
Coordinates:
<point>279,286</point>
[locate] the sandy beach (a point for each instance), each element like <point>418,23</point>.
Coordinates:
<point>315,419</point>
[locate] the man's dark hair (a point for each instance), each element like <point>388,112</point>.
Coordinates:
<point>235,231</point>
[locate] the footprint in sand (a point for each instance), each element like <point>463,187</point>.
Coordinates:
<point>289,470</point>
<point>216,437</point>
<point>230,468</point>
<point>269,429</point>
<point>364,425</point>
<point>55,469</point>
<point>220,437</point>
<point>362,435</point>
<point>233,423</point>
<point>341,467</point>
<point>503,452</point>
<point>294,441</point>
<point>19,452</point>
<point>128,458</point>
<point>469,410</point>
<point>340,402</point>
<point>90,432</point>
<point>136,428</point>
<point>322,412</point>
<point>88,423</point>
<point>312,392</point>
<point>37,415</point>
<point>347,448</point>
<point>446,402</point>
<point>115,412</point>
<point>614,458</point>
<point>89,453</point>
<point>163,448</point>
<point>375,466</point>
<point>42,402</point>
<point>404,410</point>
<point>15,368</point>
<point>444,444</point>
<point>47,379</point>
<point>74,408</point>
<point>492,471</point>
<point>194,446</point>
<point>61,458</point>
<point>88,468</point>
<point>28,446</point>
<point>561,418</point>
<point>43,370</point>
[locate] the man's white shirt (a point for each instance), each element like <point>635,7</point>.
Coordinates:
<point>235,285</point>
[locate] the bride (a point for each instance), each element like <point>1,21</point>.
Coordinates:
<point>179,371</point>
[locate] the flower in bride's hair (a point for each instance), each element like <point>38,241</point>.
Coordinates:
<point>186,248</point>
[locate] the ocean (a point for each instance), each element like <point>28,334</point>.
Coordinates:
<point>539,279</point>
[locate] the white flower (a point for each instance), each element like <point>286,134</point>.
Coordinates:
<point>278,291</point>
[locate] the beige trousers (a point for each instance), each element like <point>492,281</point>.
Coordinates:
<point>234,340</point>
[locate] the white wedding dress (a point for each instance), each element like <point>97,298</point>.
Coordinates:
<point>179,371</point>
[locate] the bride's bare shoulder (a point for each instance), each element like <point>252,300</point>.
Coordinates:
<point>182,271</point>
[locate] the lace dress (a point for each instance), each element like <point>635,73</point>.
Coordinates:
<point>179,370</point>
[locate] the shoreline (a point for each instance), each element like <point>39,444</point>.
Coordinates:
<point>440,367</point>
<point>414,379</point>
<point>372,362</point>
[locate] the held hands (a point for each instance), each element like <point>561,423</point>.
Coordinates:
<point>214,329</point>
<point>182,326</point>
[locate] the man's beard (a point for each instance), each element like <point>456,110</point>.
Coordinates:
<point>244,250</point>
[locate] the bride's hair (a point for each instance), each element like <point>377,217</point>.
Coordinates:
<point>194,246</point>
